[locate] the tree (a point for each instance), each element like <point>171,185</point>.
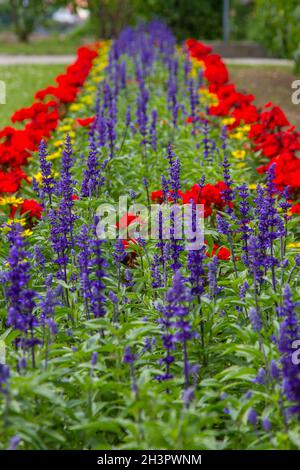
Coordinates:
<point>187,18</point>
<point>275,24</point>
<point>26,14</point>
<point>198,18</point>
<point>108,17</point>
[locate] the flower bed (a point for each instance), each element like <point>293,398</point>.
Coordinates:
<point>40,120</point>
<point>141,342</point>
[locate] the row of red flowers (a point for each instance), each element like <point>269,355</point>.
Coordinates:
<point>212,198</point>
<point>270,131</point>
<point>17,146</point>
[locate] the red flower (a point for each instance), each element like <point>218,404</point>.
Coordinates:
<point>29,207</point>
<point>295,209</point>
<point>222,252</point>
<point>17,145</point>
<point>197,49</point>
<point>157,196</point>
<point>11,182</point>
<point>248,114</point>
<point>32,207</point>
<point>211,196</point>
<point>190,119</point>
<point>127,243</point>
<point>274,118</point>
<point>70,82</point>
<point>85,122</point>
<point>126,221</point>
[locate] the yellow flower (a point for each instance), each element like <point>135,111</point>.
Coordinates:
<point>27,233</point>
<point>75,107</point>
<point>67,121</point>
<point>87,100</point>
<point>228,121</point>
<point>21,221</point>
<point>294,245</point>
<point>58,143</point>
<point>245,128</point>
<point>193,73</point>
<point>38,177</point>
<point>65,128</point>
<point>239,154</point>
<point>91,88</point>
<point>54,155</point>
<point>197,64</point>
<point>253,186</point>
<point>98,78</point>
<point>101,66</point>
<point>237,135</point>
<point>16,201</point>
<point>207,97</point>
<point>240,165</point>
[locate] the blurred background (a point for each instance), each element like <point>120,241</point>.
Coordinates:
<point>246,29</point>
<point>271,24</point>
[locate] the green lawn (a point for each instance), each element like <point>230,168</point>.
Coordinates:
<point>22,82</point>
<point>50,45</point>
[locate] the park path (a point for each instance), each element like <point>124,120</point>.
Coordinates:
<point>258,61</point>
<point>35,59</point>
<point>67,59</point>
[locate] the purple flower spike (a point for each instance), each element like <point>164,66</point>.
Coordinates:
<point>289,332</point>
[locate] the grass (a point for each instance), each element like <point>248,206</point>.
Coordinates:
<point>22,82</point>
<point>55,45</point>
<point>268,83</point>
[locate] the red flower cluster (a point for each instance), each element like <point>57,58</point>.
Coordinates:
<point>85,122</point>
<point>215,69</point>
<point>296,209</point>
<point>221,252</point>
<point>130,219</point>
<point>269,127</point>
<point>10,182</point>
<point>231,102</point>
<point>69,83</point>
<point>29,207</point>
<point>211,196</point>
<point>280,145</point>
<point>127,221</point>
<point>17,145</point>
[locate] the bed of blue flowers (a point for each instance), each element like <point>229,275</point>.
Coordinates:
<point>136,343</point>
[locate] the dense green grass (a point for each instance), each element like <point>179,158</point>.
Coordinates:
<point>22,82</point>
<point>50,45</point>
